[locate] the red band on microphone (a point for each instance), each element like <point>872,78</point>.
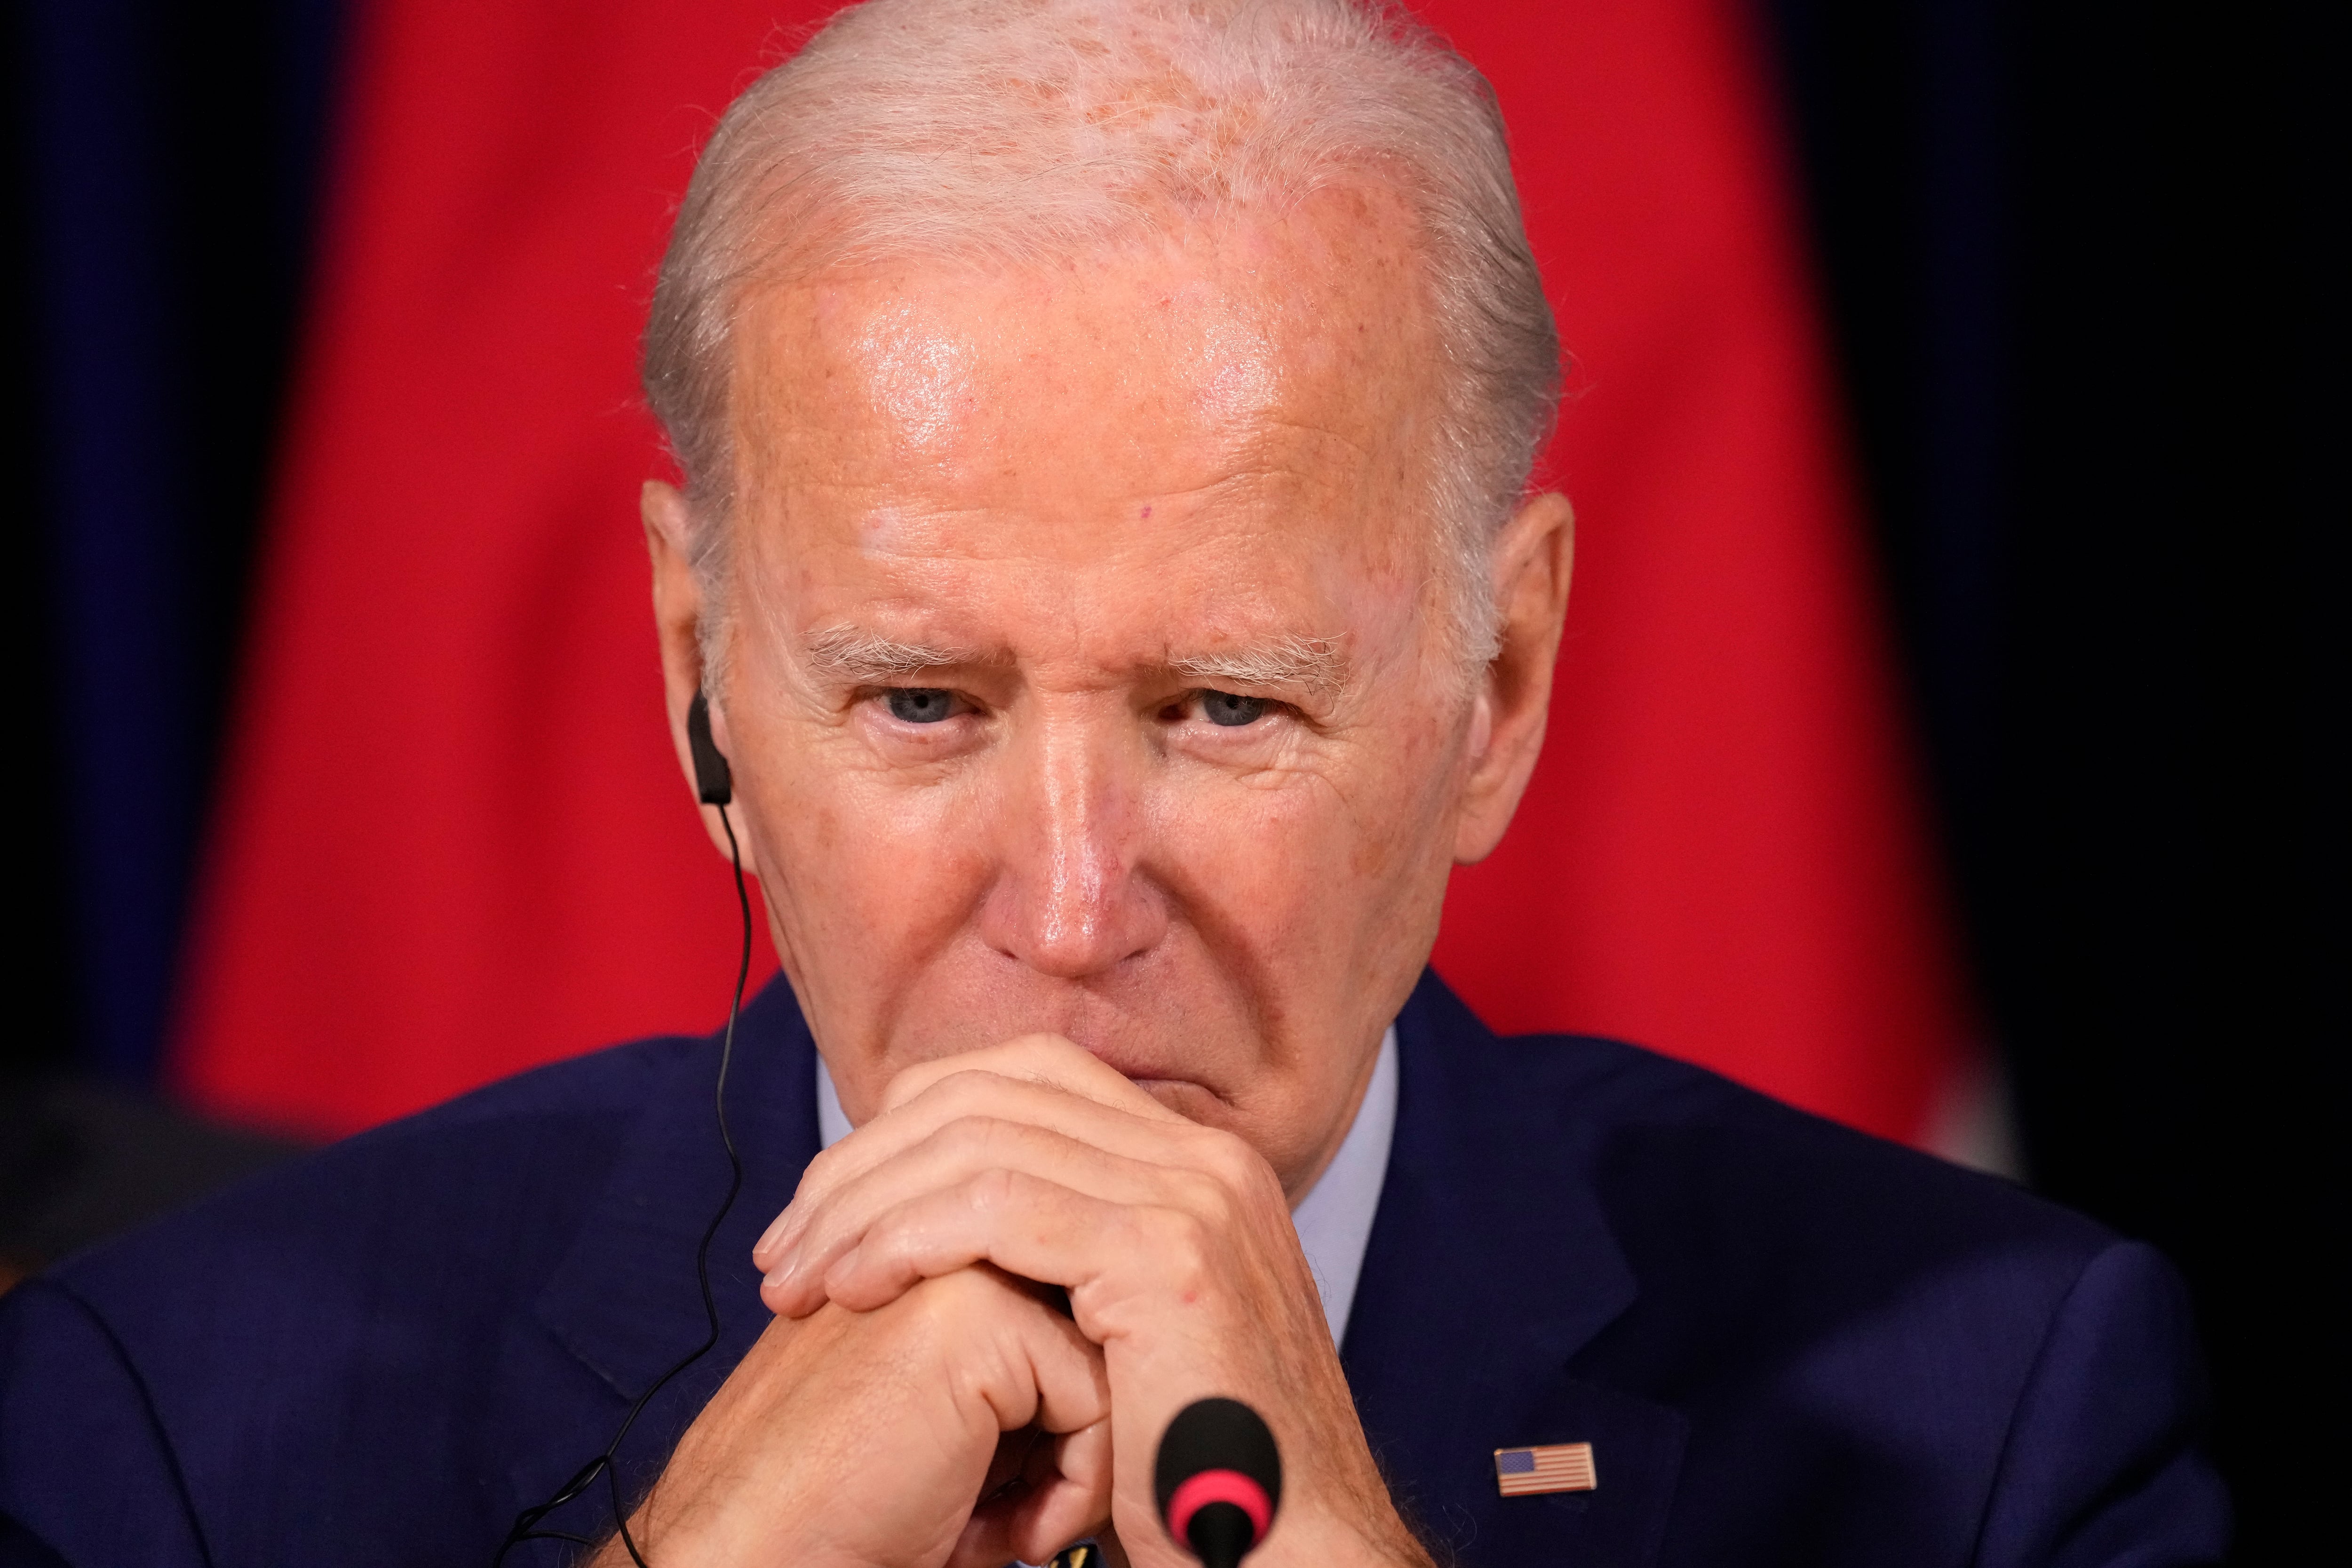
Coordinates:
<point>1218,1486</point>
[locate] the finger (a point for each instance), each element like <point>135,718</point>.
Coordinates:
<point>1047,1062</point>
<point>971,1093</point>
<point>1055,1235</point>
<point>966,1149</point>
<point>1045,1373</point>
<point>1065,1497</point>
<point>1068,1479</point>
<point>1037,1058</point>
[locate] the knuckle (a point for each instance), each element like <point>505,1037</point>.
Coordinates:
<point>1199,1193</point>
<point>958,1291</point>
<point>964,1136</point>
<point>1238,1173</point>
<point>933,1311</point>
<point>931,1084</point>
<point>1182,1243</point>
<point>944,1305</point>
<point>1210,1151</point>
<point>995,1190</point>
<point>818,1173</point>
<point>908,1083</point>
<point>981,1139</point>
<point>1240,1166</point>
<point>975,1085</point>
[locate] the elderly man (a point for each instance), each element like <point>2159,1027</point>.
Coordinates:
<point>1105,574</point>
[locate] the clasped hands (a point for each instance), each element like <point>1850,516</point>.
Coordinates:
<point>924,1397</point>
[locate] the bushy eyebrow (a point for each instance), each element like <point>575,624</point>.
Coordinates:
<point>854,658</point>
<point>1314,664</point>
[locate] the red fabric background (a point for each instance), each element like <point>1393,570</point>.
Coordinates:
<point>453,842</point>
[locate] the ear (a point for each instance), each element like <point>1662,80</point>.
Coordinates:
<point>678,611</point>
<point>1532,560</point>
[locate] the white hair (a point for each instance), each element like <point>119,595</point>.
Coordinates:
<point>1018,131</point>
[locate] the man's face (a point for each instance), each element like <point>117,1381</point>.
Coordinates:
<point>1087,663</point>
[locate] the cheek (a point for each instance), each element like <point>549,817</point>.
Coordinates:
<point>1404,844</point>
<point>1400,807</point>
<point>1286,868</point>
<point>867,865</point>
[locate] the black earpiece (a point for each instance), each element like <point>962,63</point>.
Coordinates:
<point>714,781</point>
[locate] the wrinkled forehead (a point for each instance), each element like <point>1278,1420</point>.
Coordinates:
<point>1292,348</point>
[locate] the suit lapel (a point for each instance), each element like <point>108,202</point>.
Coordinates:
<point>1491,1264</point>
<point>624,1301</point>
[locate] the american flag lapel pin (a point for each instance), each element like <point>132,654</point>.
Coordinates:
<point>1551,1467</point>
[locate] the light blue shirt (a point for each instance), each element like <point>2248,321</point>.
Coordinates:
<point>1334,1219</point>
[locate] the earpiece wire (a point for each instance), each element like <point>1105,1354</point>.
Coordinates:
<point>525,1524</point>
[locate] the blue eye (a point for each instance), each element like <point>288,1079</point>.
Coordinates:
<point>1225,707</point>
<point>920,704</point>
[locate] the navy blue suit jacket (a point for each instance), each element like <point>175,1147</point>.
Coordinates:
<point>1788,1343</point>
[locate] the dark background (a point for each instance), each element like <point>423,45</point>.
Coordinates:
<point>2087,302</point>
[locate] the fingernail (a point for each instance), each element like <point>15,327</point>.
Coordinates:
<point>779,1278</point>
<point>768,1243</point>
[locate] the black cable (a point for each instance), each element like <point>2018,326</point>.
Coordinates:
<point>525,1524</point>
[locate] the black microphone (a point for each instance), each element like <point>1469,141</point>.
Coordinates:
<point>1217,1480</point>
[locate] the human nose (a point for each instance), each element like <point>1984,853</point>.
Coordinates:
<point>1068,900</point>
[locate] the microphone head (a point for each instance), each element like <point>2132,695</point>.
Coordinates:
<point>1217,1480</point>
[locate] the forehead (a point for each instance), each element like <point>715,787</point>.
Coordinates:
<point>1276,359</point>
<point>1209,442</point>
